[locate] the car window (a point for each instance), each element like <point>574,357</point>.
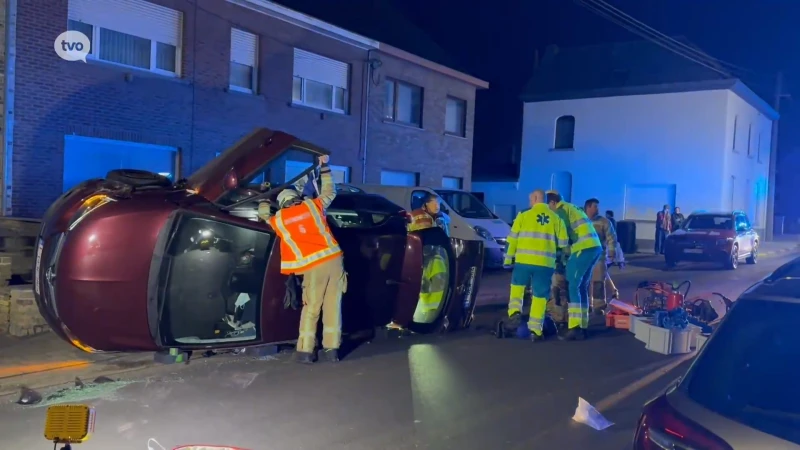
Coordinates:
<point>466,204</point>
<point>361,211</point>
<point>742,222</point>
<point>709,222</point>
<point>273,174</point>
<point>750,370</point>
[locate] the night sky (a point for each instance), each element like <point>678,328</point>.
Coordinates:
<point>498,40</point>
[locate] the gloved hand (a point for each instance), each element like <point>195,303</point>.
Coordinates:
<point>508,263</point>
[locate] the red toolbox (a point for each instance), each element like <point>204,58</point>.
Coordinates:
<point>618,319</point>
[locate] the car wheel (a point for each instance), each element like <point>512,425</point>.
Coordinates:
<point>753,258</point>
<point>733,258</point>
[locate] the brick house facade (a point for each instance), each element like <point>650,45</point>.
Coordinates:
<point>198,114</point>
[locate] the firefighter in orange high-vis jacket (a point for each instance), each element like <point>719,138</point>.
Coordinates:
<point>429,215</point>
<point>308,248</point>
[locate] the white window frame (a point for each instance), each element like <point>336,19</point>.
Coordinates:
<point>245,36</point>
<point>96,24</point>
<point>451,100</point>
<point>323,60</point>
<point>395,86</point>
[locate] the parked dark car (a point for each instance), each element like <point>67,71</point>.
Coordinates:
<point>741,391</point>
<point>134,262</point>
<point>725,237</point>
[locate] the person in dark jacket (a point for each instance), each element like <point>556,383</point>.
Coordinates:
<point>663,228</point>
<point>677,219</point>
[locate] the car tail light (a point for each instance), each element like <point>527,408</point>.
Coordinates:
<point>661,427</point>
<point>88,205</point>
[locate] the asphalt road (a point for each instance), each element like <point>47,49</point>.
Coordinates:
<point>465,390</point>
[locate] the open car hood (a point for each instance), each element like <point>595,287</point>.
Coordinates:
<point>245,158</point>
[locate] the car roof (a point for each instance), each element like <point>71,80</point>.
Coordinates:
<point>781,285</point>
<point>716,213</point>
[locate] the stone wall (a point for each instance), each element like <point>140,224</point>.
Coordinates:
<point>19,314</point>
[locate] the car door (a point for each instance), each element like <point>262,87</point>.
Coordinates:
<point>742,234</point>
<point>251,170</point>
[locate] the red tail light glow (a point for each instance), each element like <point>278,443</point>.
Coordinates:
<point>661,427</point>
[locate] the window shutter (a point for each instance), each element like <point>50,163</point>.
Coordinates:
<point>319,68</point>
<point>136,17</point>
<point>243,47</point>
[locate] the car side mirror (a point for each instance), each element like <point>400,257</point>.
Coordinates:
<point>230,181</point>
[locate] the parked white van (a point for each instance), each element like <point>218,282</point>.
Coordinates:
<point>470,219</point>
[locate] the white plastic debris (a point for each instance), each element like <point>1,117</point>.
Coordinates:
<point>242,300</point>
<point>588,415</point>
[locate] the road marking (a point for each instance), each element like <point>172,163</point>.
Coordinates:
<point>28,369</point>
<point>614,399</point>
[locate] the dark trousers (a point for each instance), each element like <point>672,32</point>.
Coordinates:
<point>661,235</point>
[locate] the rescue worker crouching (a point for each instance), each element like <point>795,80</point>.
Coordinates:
<point>536,236</point>
<point>608,239</point>
<point>584,252</point>
<point>308,248</point>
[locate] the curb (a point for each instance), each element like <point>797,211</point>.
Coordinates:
<point>11,385</point>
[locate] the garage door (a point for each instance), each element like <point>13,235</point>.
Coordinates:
<point>86,158</point>
<point>643,201</point>
<point>397,178</point>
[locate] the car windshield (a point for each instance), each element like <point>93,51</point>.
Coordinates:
<point>272,175</point>
<point>465,204</point>
<point>709,222</point>
<point>350,210</point>
<point>212,278</point>
<point>749,373</point>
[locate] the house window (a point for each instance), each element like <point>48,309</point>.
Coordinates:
<point>735,126</point>
<point>455,122</point>
<point>750,141</point>
<point>132,33</point>
<point>86,158</point>
<point>320,82</point>
<point>452,182</point>
<point>403,103</point>
<point>244,61</point>
<point>565,133</point>
<point>398,178</point>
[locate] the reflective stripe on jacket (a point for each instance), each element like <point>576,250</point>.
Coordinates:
<point>435,280</point>
<point>306,239</point>
<point>536,236</point>
<point>420,220</point>
<point>436,273</point>
<point>582,234</point>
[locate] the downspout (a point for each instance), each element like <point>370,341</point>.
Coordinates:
<point>365,90</point>
<point>10,71</point>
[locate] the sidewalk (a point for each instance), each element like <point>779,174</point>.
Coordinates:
<point>45,360</point>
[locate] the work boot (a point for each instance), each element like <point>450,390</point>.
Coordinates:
<point>331,355</point>
<point>537,337</point>
<point>574,334</point>
<point>304,357</point>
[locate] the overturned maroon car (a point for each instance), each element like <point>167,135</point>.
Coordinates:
<point>135,262</point>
